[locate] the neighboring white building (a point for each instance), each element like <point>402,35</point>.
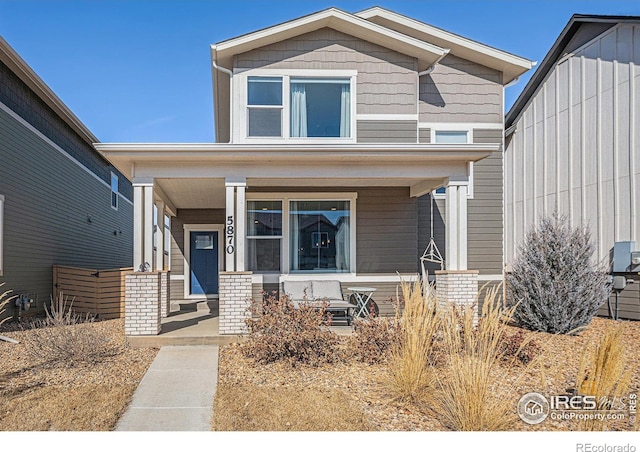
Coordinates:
<point>573,141</point>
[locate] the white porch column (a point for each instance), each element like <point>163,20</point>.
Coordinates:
<point>148,226</point>
<point>456,225</point>
<point>138,219</point>
<point>241,214</point>
<point>160,236</point>
<point>229,229</point>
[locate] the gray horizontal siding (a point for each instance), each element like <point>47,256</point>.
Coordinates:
<point>387,131</point>
<point>484,212</point>
<point>628,302</point>
<point>55,213</point>
<point>459,90</point>
<point>424,135</point>
<point>19,98</point>
<point>386,81</point>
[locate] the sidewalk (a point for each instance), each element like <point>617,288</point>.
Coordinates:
<point>176,393</point>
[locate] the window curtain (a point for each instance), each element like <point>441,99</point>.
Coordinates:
<point>345,110</point>
<point>342,246</point>
<point>298,110</point>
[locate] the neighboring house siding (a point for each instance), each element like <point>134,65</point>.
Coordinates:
<point>577,148</point>
<point>484,220</point>
<point>186,216</point>
<point>387,131</point>
<point>459,90</point>
<point>55,212</point>
<point>19,98</point>
<point>386,82</point>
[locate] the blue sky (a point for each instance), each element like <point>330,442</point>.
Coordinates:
<point>139,71</point>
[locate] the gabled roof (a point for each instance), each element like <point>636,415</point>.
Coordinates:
<point>512,66</point>
<point>22,70</point>
<point>425,52</point>
<point>555,53</point>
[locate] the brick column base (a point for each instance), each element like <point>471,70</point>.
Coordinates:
<point>142,304</point>
<point>235,297</point>
<point>457,286</point>
<point>165,297</point>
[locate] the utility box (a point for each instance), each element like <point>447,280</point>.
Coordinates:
<point>626,259</point>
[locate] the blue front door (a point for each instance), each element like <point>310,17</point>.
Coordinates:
<point>204,263</point>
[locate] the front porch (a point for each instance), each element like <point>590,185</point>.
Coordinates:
<point>227,223</point>
<point>197,324</point>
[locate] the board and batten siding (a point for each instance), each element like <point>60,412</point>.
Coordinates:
<point>387,131</point>
<point>576,147</point>
<point>386,81</point>
<point>484,213</point>
<point>458,90</point>
<point>55,212</point>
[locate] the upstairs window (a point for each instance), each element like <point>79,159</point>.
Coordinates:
<point>114,191</point>
<point>298,107</point>
<point>320,108</point>
<point>453,137</point>
<point>264,102</point>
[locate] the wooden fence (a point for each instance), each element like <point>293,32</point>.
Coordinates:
<point>99,292</point>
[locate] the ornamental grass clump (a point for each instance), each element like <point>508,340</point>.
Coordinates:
<point>5,298</point>
<point>554,284</point>
<point>464,396</point>
<point>281,331</point>
<point>603,373</point>
<point>410,363</point>
<point>66,338</point>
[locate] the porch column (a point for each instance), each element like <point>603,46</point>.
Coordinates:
<point>229,228</point>
<point>456,225</point>
<point>148,225</point>
<point>138,219</point>
<point>235,224</point>
<point>160,236</point>
<point>143,203</point>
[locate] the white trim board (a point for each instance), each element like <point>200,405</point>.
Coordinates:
<point>192,227</point>
<point>48,141</point>
<point>460,125</point>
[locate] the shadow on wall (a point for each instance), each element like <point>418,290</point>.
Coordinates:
<point>429,92</point>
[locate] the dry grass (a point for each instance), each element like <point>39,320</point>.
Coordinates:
<point>410,373</point>
<point>466,397</point>
<point>603,372</point>
<point>38,394</point>
<point>5,298</point>
<point>251,408</point>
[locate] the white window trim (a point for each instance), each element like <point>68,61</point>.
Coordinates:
<point>117,198</point>
<point>188,229</point>
<point>285,248</point>
<point>455,128</point>
<point>167,239</point>
<point>1,235</point>
<point>239,107</point>
<point>263,237</point>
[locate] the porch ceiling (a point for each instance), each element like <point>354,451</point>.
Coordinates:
<point>199,193</point>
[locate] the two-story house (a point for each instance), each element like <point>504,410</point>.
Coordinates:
<point>61,202</point>
<point>332,132</point>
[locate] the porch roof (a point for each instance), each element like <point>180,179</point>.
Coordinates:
<point>126,155</point>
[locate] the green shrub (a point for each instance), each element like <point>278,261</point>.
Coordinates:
<point>278,330</point>
<point>554,285</point>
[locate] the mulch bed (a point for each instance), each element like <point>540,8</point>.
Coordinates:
<point>364,383</point>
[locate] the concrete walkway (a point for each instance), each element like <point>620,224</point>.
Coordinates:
<point>176,393</point>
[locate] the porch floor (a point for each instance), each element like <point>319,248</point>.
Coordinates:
<point>198,324</point>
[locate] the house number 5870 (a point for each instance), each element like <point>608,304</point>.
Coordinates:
<point>230,234</point>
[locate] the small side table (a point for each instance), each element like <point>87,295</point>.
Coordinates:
<point>363,295</point>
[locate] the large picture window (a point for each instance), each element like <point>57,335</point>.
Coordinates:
<point>320,108</point>
<point>264,234</point>
<point>319,235</point>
